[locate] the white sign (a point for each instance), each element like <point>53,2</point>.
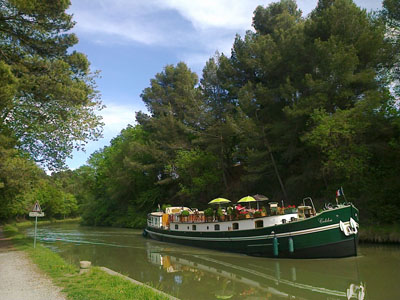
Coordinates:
<point>37,208</point>
<point>36,214</point>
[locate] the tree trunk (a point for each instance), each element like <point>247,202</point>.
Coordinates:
<point>274,164</point>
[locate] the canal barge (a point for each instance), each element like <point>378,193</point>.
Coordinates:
<point>277,232</point>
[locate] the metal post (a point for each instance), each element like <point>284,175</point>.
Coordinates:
<point>34,241</point>
<point>341,188</point>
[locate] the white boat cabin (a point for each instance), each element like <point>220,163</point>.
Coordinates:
<point>172,220</point>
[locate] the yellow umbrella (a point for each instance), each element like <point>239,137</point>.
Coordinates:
<point>219,201</point>
<point>248,199</point>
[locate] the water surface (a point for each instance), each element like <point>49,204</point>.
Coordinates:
<point>195,273</point>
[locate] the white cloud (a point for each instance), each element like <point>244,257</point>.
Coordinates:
<point>227,14</point>
<point>125,29</point>
<point>117,116</point>
<point>162,22</point>
<point>116,21</point>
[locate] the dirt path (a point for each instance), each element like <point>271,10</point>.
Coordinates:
<point>20,279</point>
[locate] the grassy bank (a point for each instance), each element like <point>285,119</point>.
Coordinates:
<point>31,222</point>
<point>95,284</point>
<point>380,234</point>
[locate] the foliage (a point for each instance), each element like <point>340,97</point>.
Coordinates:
<point>18,176</point>
<point>219,212</point>
<point>165,206</point>
<point>209,212</point>
<point>48,95</point>
<point>117,187</point>
<point>48,101</point>
<point>230,211</point>
<point>195,170</point>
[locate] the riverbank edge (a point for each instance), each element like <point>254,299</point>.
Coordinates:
<point>380,234</point>
<point>29,223</point>
<point>96,284</point>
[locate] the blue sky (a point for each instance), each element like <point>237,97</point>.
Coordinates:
<point>130,41</point>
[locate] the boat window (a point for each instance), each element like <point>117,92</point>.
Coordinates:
<point>188,227</point>
<point>235,226</point>
<point>216,226</point>
<point>193,227</point>
<point>176,226</point>
<point>259,224</point>
<point>208,227</point>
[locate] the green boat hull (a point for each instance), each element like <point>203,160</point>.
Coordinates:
<point>316,237</point>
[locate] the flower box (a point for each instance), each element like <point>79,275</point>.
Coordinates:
<point>290,210</point>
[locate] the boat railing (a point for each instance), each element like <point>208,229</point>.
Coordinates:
<point>312,204</point>
<point>199,217</point>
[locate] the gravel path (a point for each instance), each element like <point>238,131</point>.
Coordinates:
<point>20,279</point>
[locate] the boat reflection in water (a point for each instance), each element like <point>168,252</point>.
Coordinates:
<point>241,277</point>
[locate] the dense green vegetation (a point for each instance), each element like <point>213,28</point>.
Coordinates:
<point>302,106</point>
<point>95,284</point>
<point>47,104</point>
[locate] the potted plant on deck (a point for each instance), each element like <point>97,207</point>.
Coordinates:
<point>220,214</point>
<point>263,211</point>
<point>184,215</point>
<point>242,215</point>
<point>291,209</point>
<point>208,213</point>
<point>230,212</point>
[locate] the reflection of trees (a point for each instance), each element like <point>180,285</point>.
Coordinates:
<point>225,280</point>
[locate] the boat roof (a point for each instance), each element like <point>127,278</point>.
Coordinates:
<point>157,213</point>
<point>176,209</point>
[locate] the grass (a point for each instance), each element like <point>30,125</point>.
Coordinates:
<point>45,222</point>
<point>95,284</point>
<point>380,234</point>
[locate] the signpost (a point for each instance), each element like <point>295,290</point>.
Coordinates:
<point>36,212</point>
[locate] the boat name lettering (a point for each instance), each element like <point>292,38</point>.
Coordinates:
<point>324,220</point>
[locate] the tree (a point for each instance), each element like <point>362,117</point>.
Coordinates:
<point>198,178</point>
<point>48,93</point>
<point>265,66</point>
<point>175,109</point>
<point>18,177</point>
<point>391,17</point>
<point>219,133</point>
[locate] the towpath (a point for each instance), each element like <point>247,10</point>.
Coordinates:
<point>21,279</point>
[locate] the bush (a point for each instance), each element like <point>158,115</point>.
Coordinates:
<point>209,212</point>
<point>185,213</point>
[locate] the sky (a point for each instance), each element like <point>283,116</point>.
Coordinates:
<point>130,41</point>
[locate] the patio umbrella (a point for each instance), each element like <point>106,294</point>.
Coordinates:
<point>219,201</point>
<point>248,199</point>
<point>259,197</point>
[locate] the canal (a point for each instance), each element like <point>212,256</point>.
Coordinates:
<point>193,273</point>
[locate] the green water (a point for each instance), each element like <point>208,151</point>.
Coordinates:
<point>193,273</point>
